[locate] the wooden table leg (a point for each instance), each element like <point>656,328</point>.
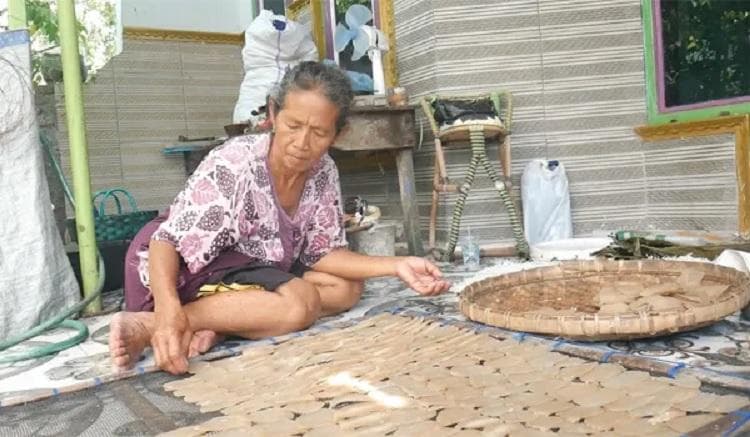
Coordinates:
<point>405,166</point>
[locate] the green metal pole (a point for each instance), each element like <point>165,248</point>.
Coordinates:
<point>78,149</point>
<point>17,14</point>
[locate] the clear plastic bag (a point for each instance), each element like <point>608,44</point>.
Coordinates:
<point>546,202</point>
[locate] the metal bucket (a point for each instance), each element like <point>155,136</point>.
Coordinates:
<point>380,240</point>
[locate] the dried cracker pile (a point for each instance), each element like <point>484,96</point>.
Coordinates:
<point>398,376</point>
<point>591,294</point>
<point>684,292</point>
<point>603,300</point>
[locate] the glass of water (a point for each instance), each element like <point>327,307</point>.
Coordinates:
<point>470,252</point>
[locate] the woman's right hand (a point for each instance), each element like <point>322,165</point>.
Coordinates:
<point>172,333</point>
<point>171,340</point>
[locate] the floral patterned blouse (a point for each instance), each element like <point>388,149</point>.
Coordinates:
<point>229,203</point>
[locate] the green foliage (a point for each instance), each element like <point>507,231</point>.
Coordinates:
<point>45,35</point>
<point>706,50</point>
<point>343,5</point>
<point>42,22</point>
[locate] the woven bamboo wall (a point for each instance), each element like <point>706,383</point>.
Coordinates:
<point>142,101</point>
<point>576,70</point>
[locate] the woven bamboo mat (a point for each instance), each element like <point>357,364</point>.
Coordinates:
<point>392,375</point>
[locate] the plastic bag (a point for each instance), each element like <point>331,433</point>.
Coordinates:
<point>450,111</point>
<point>546,202</point>
<point>272,44</point>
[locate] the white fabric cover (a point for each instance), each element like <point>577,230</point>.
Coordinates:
<point>268,52</point>
<point>36,280</point>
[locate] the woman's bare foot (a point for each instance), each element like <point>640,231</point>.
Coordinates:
<point>202,342</point>
<point>129,334</point>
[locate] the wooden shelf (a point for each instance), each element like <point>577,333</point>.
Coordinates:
<point>739,125</point>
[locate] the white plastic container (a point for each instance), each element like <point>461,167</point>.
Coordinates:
<point>735,259</point>
<point>546,202</point>
<point>568,249</point>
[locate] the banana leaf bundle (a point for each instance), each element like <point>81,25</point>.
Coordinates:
<point>642,248</point>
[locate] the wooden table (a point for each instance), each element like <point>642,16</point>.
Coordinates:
<point>371,128</point>
<point>389,128</point>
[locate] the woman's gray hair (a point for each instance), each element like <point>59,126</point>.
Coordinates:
<point>312,76</point>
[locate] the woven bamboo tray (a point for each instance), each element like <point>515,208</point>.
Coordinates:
<point>604,300</point>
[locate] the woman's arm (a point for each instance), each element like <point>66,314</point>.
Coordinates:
<point>325,249</point>
<point>418,273</point>
<point>354,266</point>
<point>163,267</point>
<point>172,334</point>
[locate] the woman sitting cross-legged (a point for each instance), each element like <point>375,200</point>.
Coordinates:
<point>254,245</point>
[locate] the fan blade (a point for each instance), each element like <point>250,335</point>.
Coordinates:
<point>361,44</point>
<point>357,15</point>
<point>342,36</point>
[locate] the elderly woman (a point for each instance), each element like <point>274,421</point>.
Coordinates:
<point>258,228</point>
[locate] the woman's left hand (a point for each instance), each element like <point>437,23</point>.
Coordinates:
<point>421,275</point>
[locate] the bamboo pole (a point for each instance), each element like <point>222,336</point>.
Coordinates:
<point>76,123</point>
<point>17,14</point>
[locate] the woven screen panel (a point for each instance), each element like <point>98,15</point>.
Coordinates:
<point>576,72</point>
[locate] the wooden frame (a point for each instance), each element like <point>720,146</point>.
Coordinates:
<point>142,33</point>
<point>297,7</point>
<point>739,125</point>
<point>658,113</point>
<point>322,30</point>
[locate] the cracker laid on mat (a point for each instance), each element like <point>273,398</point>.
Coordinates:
<point>280,390</point>
<point>664,288</point>
<point>604,300</point>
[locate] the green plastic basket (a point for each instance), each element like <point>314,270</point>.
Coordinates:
<point>118,226</point>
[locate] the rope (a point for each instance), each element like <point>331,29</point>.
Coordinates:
<point>479,156</point>
<point>458,210</point>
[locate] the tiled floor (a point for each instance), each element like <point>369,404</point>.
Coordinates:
<point>722,349</point>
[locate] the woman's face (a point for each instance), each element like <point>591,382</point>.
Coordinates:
<point>304,129</point>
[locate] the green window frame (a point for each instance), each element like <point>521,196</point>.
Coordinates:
<point>657,112</point>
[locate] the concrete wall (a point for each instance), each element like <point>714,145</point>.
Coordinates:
<point>228,16</point>
<point>46,116</point>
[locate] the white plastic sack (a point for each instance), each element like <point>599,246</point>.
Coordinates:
<point>36,280</point>
<point>546,202</point>
<point>272,44</point>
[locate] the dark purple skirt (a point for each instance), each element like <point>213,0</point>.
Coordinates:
<point>229,267</point>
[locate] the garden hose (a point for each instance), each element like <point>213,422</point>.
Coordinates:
<point>479,156</point>
<point>61,320</point>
